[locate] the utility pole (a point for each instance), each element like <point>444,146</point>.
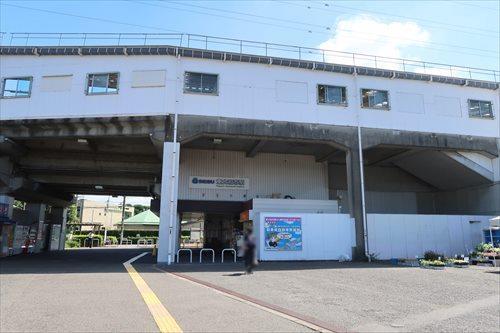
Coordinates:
<point>123,218</point>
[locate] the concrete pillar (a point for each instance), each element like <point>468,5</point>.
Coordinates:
<point>168,203</point>
<point>355,200</point>
<point>59,217</point>
<point>37,216</point>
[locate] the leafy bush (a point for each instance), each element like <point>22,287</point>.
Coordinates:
<point>113,240</point>
<point>81,239</point>
<point>458,262</point>
<point>433,263</point>
<point>432,256</point>
<point>484,247</point>
<point>72,244</point>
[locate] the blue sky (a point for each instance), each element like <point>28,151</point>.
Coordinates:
<point>456,32</point>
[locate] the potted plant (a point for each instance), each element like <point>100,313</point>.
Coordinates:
<point>459,263</point>
<point>432,264</point>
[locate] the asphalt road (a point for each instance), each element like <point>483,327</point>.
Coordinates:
<point>90,291</point>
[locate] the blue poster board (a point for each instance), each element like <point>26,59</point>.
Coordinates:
<point>283,234</point>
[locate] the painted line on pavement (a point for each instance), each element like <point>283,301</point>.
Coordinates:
<point>306,321</point>
<point>163,318</point>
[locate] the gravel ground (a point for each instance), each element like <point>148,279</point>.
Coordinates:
<point>370,297</point>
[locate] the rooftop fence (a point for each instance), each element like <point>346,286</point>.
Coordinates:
<point>246,47</point>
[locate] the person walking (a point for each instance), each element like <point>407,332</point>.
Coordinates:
<point>249,255</point>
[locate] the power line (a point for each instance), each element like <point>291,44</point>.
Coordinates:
<point>316,25</point>
<point>475,5</point>
<point>325,8</point>
<point>91,18</point>
<point>169,30</point>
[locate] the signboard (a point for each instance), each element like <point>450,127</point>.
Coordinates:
<point>283,234</point>
<point>4,210</point>
<point>219,183</point>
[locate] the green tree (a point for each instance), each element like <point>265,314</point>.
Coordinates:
<point>19,204</point>
<point>72,216</point>
<point>140,208</point>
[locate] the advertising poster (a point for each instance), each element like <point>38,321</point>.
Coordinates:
<point>283,233</point>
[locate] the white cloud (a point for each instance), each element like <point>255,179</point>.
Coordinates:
<point>367,35</point>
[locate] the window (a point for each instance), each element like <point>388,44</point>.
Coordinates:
<point>98,84</point>
<point>480,109</point>
<point>376,99</point>
<point>201,83</point>
<point>332,95</point>
<point>17,87</point>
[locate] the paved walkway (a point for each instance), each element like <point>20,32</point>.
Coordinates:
<point>92,290</point>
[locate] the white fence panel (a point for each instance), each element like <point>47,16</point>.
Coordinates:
<point>410,235</point>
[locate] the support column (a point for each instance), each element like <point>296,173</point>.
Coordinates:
<point>355,200</point>
<point>59,217</point>
<point>168,203</point>
<point>36,213</point>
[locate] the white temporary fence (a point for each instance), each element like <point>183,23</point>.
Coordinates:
<point>411,235</point>
<point>228,250</point>
<point>208,250</point>
<point>190,255</point>
<point>92,241</point>
<point>323,237</point>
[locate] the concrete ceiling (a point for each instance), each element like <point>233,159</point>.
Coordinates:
<point>440,170</point>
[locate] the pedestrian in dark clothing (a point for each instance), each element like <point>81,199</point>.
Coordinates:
<point>249,246</point>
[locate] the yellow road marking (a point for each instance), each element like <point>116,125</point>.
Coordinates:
<point>163,318</point>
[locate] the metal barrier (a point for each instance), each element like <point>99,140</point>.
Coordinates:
<point>201,254</point>
<point>229,250</point>
<point>150,241</point>
<point>92,241</point>
<point>126,241</point>
<point>190,255</point>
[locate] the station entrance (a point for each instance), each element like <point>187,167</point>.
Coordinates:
<point>211,225</point>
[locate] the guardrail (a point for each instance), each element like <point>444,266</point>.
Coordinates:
<point>190,255</point>
<point>229,250</point>
<point>92,241</point>
<point>126,241</point>
<point>205,249</point>
<point>240,46</point>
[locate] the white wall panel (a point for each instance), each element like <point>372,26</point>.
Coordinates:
<point>410,235</point>
<point>447,106</point>
<point>56,83</point>
<point>324,237</point>
<point>246,91</point>
<point>149,78</point>
<point>296,175</point>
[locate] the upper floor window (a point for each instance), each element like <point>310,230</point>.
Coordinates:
<point>16,87</point>
<point>103,83</point>
<point>201,83</point>
<point>332,95</point>
<point>480,109</point>
<point>376,99</point>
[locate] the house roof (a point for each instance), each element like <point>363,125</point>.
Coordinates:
<point>145,218</point>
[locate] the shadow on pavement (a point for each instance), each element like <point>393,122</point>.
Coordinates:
<point>238,267</point>
<point>81,261</point>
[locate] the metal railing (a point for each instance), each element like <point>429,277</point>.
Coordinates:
<point>212,43</point>
<point>230,250</point>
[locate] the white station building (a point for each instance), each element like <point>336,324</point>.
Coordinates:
<point>327,158</point>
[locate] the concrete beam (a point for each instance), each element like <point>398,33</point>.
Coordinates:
<point>332,154</point>
<point>83,127</point>
<point>438,141</point>
<point>192,127</point>
<point>31,191</point>
<point>256,148</point>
